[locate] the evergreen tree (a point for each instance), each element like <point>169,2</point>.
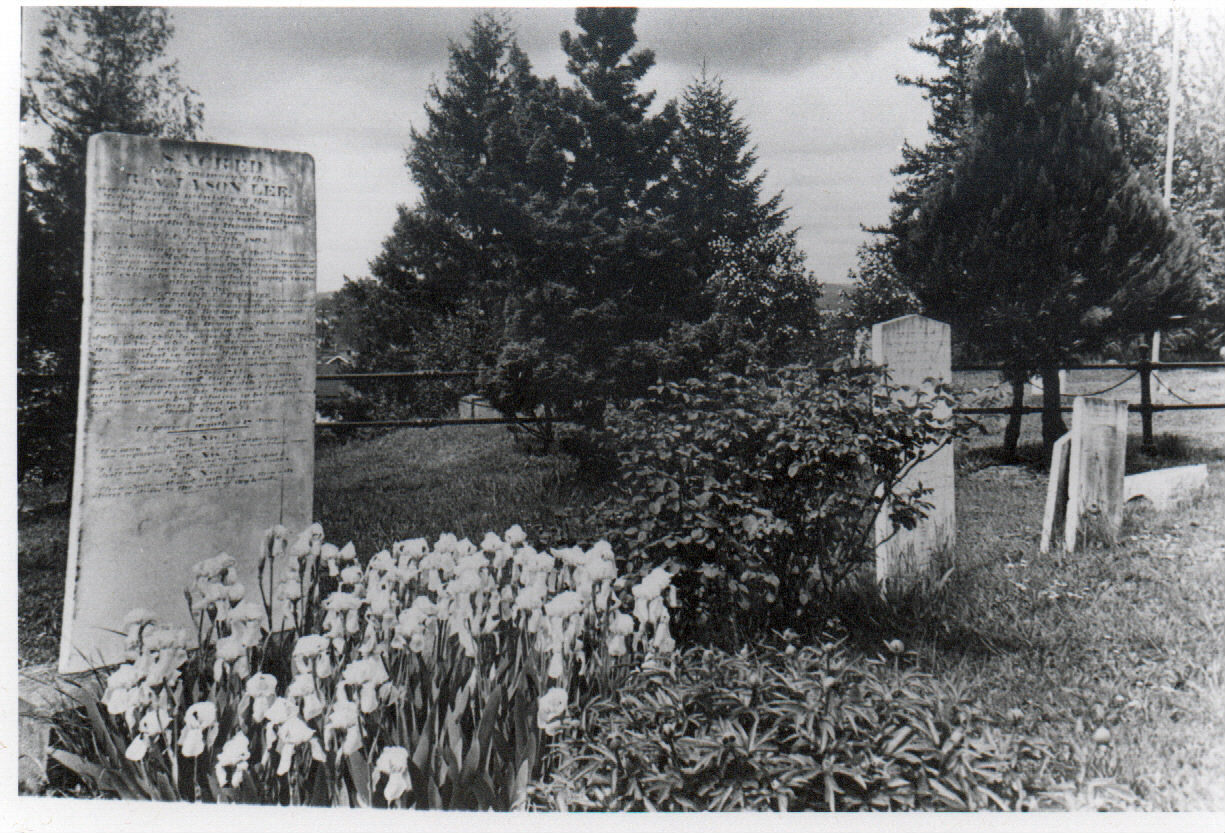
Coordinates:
<point>1043,240</point>
<point>763,284</point>
<point>877,292</point>
<point>491,176</point>
<point>953,40</point>
<point>620,276</point>
<point>99,69</point>
<point>621,155</point>
<point>1138,42</point>
<point>716,197</point>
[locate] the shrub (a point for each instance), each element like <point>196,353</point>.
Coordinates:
<point>762,490</point>
<point>425,678</point>
<point>802,728</point>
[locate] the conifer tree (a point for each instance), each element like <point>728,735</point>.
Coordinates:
<point>1043,240</point>
<point>716,196</point>
<point>954,39</point>
<point>1138,43</point>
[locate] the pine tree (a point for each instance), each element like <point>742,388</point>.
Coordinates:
<point>491,176</point>
<point>953,40</point>
<point>100,69</point>
<point>1043,240</point>
<point>1138,43</point>
<point>717,199</point>
<point>622,152</point>
<point>618,276</point>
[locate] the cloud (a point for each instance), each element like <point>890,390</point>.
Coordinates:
<point>769,40</point>
<point>383,35</point>
<point>730,39</point>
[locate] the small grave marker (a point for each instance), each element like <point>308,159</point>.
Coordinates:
<point>195,427</point>
<point>1096,457</point>
<point>914,349</point>
<point>1056,490</point>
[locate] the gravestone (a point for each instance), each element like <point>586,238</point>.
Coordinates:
<point>1056,491</point>
<point>1097,453</point>
<point>914,349</point>
<point>195,426</point>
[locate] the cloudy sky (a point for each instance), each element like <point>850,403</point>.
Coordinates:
<point>816,86</point>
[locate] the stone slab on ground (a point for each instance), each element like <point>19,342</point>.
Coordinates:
<point>1165,487</point>
<point>195,426</point>
<point>473,406</point>
<point>916,349</point>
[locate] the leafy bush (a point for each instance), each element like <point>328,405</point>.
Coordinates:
<point>425,678</point>
<point>802,728</point>
<point>762,490</point>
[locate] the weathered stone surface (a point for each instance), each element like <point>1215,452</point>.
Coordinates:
<point>1056,490</point>
<point>1097,455</point>
<point>1165,487</point>
<point>195,424</point>
<point>915,349</point>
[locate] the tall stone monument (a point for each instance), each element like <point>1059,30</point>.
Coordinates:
<point>915,349</point>
<point>195,427</point>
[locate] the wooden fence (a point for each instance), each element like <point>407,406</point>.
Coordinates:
<point>1145,407</point>
<point>1144,369</point>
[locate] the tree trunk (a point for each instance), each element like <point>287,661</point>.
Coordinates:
<point>1012,433</point>
<point>1052,419</point>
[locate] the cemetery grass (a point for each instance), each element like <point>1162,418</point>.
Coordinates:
<point>1049,649</point>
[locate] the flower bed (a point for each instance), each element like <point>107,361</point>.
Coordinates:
<point>427,677</point>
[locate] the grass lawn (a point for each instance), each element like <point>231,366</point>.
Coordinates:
<point>1051,648</point>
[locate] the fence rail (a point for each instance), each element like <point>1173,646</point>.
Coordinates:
<point>1146,407</point>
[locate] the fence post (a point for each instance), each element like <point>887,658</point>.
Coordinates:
<point>1146,404</point>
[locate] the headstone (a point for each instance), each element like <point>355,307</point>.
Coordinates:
<point>1097,455</point>
<point>195,422</point>
<point>1165,487</point>
<point>916,349</point>
<point>1056,491</point>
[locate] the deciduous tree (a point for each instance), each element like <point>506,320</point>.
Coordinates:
<point>100,68</point>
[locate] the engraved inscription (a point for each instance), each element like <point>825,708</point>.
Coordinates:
<point>192,322</point>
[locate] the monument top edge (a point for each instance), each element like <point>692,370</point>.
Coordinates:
<point>908,316</point>
<point>110,136</point>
